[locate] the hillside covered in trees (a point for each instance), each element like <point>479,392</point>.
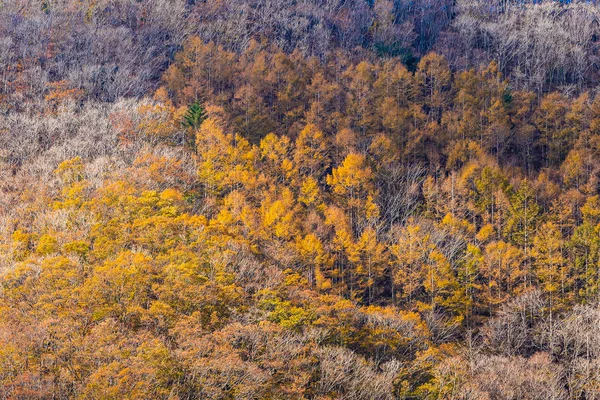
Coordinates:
<point>281,199</point>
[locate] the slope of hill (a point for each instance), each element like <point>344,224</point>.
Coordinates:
<point>324,200</point>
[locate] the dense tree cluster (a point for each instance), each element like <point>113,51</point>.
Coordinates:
<point>310,229</point>
<point>278,199</point>
<point>432,115</point>
<point>107,49</point>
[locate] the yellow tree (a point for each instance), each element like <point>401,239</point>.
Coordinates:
<point>369,258</point>
<point>353,187</point>
<point>555,134</point>
<point>226,162</point>
<point>360,97</point>
<point>433,77</point>
<point>315,259</point>
<point>276,158</point>
<point>549,263</point>
<point>585,249</point>
<point>72,175</point>
<point>278,215</point>
<point>311,154</point>
<point>408,252</point>
<point>422,274</point>
<point>502,272</point>
<point>394,88</point>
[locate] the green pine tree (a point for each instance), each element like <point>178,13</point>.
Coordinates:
<point>195,116</point>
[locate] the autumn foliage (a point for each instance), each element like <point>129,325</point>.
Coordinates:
<point>271,223</point>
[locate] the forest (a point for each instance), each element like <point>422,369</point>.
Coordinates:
<point>300,199</point>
